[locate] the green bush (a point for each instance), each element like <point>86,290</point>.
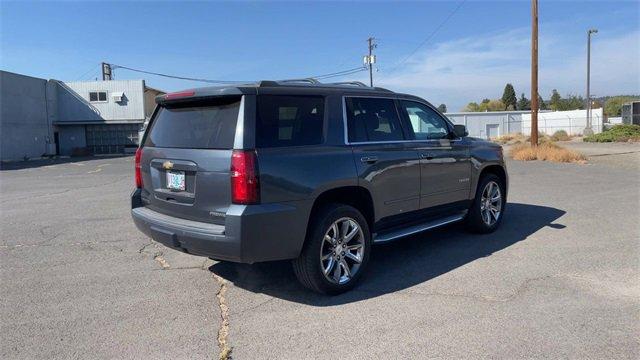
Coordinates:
<point>618,133</point>
<point>560,135</point>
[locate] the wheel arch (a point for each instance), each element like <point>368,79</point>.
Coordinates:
<point>497,170</point>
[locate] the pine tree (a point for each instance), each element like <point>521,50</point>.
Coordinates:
<point>556,100</point>
<point>442,108</point>
<point>524,103</point>
<point>509,98</point>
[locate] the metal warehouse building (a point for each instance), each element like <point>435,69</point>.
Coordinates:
<point>48,117</point>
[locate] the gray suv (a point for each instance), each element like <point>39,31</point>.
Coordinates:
<point>312,172</point>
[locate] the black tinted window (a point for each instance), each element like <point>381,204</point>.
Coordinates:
<point>93,96</point>
<point>289,120</point>
<point>102,96</point>
<point>202,125</point>
<point>373,119</point>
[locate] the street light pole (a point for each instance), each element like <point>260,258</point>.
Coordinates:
<point>588,130</point>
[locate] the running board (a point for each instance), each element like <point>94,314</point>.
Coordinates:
<point>410,230</point>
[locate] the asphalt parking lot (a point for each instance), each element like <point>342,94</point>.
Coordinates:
<point>560,279</point>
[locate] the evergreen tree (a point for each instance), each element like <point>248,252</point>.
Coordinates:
<point>509,98</point>
<point>556,100</point>
<point>524,103</point>
<point>442,108</point>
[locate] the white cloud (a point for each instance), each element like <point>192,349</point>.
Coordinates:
<point>459,71</point>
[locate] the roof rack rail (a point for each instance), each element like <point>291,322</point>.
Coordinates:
<point>354,83</point>
<point>306,80</point>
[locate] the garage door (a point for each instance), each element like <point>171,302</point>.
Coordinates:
<point>112,139</point>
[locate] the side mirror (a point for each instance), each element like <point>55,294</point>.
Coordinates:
<point>460,131</point>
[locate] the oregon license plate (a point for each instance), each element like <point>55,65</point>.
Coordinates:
<point>175,180</point>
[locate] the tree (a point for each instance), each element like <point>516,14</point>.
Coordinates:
<point>541,104</point>
<point>556,100</point>
<point>472,107</point>
<point>509,98</point>
<point>442,108</point>
<point>492,105</point>
<point>524,103</point>
<point>613,106</point>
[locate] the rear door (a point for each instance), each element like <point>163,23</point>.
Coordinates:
<point>445,165</point>
<point>186,158</point>
<point>387,165</point>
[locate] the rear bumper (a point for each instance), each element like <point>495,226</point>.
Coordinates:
<point>192,237</point>
<point>252,233</point>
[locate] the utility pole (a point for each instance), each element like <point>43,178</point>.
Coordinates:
<point>534,72</point>
<point>588,130</point>
<point>370,59</point>
<point>106,72</point>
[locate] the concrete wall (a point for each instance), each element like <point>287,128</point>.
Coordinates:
<point>74,104</point>
<point>25,129</point>
<point>573,122</point>
<point>480,123</point>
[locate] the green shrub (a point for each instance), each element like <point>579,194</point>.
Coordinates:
<point>618,133</point>
<point>560,135</point>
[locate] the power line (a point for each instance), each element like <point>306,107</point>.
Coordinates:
<point>318,77</point>
<point>435,31</point>
<point>340,73</point>
<point>92,70</point>
<point>114,66</point>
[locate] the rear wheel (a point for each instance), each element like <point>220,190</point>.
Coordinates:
<point>488,206</point>
<point>336,250</point>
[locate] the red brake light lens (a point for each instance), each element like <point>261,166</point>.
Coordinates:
<point>245,187</point>
<point>138,158</point>
<point>179,94</point>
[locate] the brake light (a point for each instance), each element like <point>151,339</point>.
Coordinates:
<point>138,158</point>
<point>179,94</point>
<point>245,188</point>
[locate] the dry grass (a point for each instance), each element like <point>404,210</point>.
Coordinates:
<point>510,139</point>
<point>546,151</point>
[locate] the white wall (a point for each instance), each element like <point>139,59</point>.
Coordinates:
<point>573,122</point>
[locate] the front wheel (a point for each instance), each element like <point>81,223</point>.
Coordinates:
<point>488,205</point>
<point>336,250</point>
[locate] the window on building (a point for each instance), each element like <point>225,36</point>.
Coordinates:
<point>97,96</point>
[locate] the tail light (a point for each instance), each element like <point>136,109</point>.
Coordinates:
<point>137,165</point>
<point>245,188</point>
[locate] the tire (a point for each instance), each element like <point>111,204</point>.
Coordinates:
<point>477,217</point>
<point>318,253</point>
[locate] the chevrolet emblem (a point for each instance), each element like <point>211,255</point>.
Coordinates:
<point>167,165</point>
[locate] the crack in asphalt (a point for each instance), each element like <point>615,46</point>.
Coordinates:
<point>224,350</point>
<point>158,255</point>
<point>223,331</point>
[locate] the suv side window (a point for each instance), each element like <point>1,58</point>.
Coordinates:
<point>372,119</point>
<point>425,122</point>
<point>289,120</point>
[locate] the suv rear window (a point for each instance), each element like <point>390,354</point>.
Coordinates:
<point>209,124</point>
<point>289,120</point>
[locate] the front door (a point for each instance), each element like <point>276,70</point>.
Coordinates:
<point>388,165</point>
<point>445,166</point>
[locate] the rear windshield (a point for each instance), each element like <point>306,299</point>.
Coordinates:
<point>289,120</point>
<point>207,124</point>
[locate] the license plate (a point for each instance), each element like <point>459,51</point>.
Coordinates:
<point>175,180</point>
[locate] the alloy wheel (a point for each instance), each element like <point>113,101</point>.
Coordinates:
<point>342,250</point>
<point>491,203</point>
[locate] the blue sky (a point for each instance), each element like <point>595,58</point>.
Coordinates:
<point>483,46</point>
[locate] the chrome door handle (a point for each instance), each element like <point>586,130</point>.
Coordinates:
<point>427,156</point>
<point>369,159</point>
